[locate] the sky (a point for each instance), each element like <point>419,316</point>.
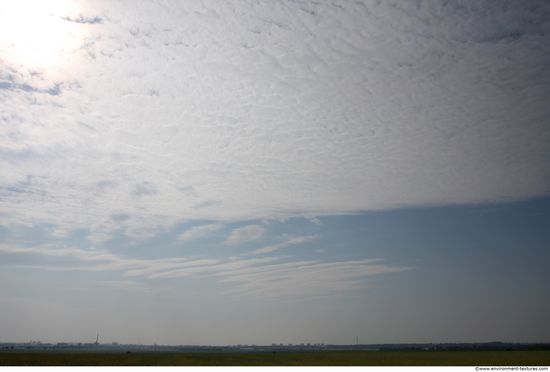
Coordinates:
<point>258,172</point>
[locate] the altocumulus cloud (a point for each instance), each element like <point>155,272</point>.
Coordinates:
<point>271,110</point>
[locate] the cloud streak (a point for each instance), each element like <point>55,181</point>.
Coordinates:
<point>263,277</point>
<point>129,285</point>
<point>296,240</point>
<point>304,280</point>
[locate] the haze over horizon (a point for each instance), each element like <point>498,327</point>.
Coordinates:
<point>258,172</point>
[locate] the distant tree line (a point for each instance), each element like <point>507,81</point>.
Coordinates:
<point>467,346</point>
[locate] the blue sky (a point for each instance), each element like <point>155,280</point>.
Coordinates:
<point>274,172</point>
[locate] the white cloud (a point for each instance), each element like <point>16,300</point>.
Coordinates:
<point>51,257</point>
<point>303,280</point>
<point>296,240</point>
<point>316,221</point>
<point>210,269</point>
<point>171,268</point>
<point>129,285</point>
<point>245,234</point>
<point>200,231</point>
<point>256,277</point>
<point>274,110</point>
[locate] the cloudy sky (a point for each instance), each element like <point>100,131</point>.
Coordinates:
<point>257,172</point>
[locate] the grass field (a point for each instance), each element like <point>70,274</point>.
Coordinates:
<point>325,358</point>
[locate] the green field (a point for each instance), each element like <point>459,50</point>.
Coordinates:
<point>325,358</point>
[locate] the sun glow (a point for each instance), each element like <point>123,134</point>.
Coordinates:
<point>37,33</point>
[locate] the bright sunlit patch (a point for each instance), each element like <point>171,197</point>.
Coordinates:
<point>35,33</point>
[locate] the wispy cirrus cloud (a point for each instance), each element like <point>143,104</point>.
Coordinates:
<point>211,269</point>
<point>296,240</point>
<point>51,257</point>
<point>170,269</point>
<point>129,285</point>
<point>301,280</point>
<point>267,277</point>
